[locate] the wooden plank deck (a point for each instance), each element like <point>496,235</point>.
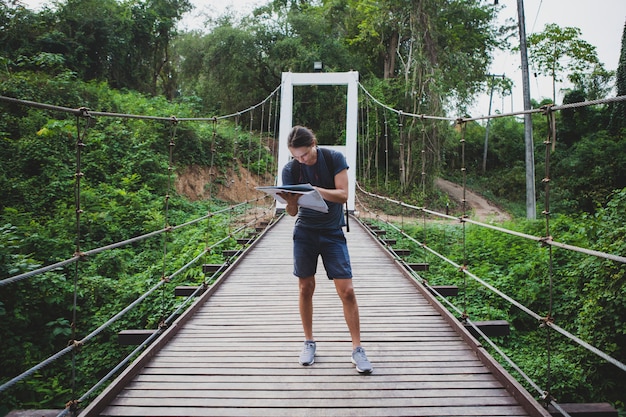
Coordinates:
<point>237,355</point>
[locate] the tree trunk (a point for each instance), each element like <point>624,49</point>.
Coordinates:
<point>389,69</point>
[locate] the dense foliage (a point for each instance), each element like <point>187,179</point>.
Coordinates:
<point>127,57</point>
<point>587,296</point>
<point>126,185</point>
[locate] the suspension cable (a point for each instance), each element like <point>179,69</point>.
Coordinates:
<point>166,219</point>
<point>463,267</point>
<point>541,239</point>
<point>80,144</point>
<point>538,317</point>
<point>84,117</point>
<point>549,142</point>
<point>386,150</point>
<point>77,344</point>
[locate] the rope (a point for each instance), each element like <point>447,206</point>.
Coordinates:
<point>175,314</point>
<point>166,214</point>
<point>463,268</point>
<point>261,136</point>
<point>275,148</point>
<point>85,115</point>
<point>540,239</point>
<point>232,115</point>
<point>386,150</point>
<point>249,150</point>
<point>549,143</point>
<point>403,158</point>
<point>391,109</point>
<point>76,344</point>
<point>80,144</point>
<point>538,317</point>
<point>85,112</point>
<point>113,246</point>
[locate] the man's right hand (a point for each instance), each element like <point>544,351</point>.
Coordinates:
<point>292,202</point>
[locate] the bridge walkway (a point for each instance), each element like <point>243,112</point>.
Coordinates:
<point>235,353</point>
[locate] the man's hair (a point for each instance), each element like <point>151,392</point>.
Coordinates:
<point>301,136</point>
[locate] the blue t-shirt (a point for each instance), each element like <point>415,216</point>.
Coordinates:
<point>318,175</point>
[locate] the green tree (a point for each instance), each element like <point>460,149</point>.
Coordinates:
<point>557,50</point>
<point>435,54</point>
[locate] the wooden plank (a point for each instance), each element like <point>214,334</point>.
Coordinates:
<point>490,328</point>
<point>438,388</point>
<point>133,337</point>
<point>262,393</point>
<point>507,411</point>
<point>186,290</point>
<point>321,381</point>
<point>585,410</point>
<point>211,268</point>
<point>34,413</point>
<point>310,402</point>
<point>418,266</point>
<point>445,290</point>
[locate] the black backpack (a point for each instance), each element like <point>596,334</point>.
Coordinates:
<point>296,170</point>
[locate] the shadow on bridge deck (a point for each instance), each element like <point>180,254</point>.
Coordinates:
<point>237,354</point>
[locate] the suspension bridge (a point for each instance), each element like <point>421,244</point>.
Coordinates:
<point>230,349</point>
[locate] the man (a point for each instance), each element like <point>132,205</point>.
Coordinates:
<point>320,234</point>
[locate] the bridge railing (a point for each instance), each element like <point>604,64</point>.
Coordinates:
<point>236,228</point>
<point>464,267</point>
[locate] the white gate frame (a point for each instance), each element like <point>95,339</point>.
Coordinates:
<point>350,79</point>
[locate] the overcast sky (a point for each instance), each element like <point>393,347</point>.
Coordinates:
<point>600,21</point>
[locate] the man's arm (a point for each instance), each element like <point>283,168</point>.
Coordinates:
<point>340,193</point>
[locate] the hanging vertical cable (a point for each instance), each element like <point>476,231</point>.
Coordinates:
<point>403,169</point>
<point>209,217</point>
<point>84,116</point>
<point>464,215</point>
<point>377,144</point>
<point>386,152</point>
<point>212,173</point>
<point>549,147</point>
<point>170,169</point>
<point>423,155</point>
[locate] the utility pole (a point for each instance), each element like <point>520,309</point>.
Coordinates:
<point>531,210</point>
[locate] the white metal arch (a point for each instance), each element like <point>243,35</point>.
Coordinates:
<point>350,79</point>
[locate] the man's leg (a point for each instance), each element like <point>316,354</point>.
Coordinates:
<point>307,288</point>
<point>345,290</point>
<point>351,313</point>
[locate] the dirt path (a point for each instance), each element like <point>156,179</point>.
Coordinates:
<point>479,208</point>
<point>482,210</point>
